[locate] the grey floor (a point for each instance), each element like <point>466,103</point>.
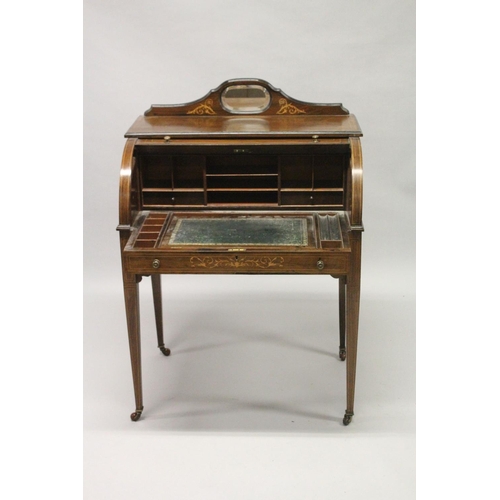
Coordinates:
<point>250,403</point>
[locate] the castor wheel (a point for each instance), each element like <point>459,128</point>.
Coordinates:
<point>347,418</point>
<point>164,350</point>
<point>136,415</point>
<point>342,354</point>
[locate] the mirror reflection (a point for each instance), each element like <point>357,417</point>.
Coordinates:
<point>246,125</point>
<point>245,99</point>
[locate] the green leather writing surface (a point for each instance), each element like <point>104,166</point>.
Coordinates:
<point>240,231</point>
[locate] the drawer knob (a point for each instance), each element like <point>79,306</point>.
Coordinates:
<point>156,263</point>
<point>320,264</point>
<point>315,138</point>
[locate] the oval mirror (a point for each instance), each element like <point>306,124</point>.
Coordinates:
<point>245,99</point>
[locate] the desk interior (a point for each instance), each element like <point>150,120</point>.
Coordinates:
<point>217,230</point>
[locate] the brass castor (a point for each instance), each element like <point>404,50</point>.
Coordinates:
<point>164,350</point>
<point>348,418</point>
<point>342,354</point>
<point>136,415</point>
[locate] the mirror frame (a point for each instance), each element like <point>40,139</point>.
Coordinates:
<point>252,111</point>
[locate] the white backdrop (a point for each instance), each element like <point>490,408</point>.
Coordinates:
<point>359,53</point>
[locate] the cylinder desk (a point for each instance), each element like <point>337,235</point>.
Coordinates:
<point>244,180</point>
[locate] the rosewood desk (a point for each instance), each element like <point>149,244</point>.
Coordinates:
<point>243,180</point>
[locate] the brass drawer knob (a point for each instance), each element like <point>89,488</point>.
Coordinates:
<point>315,138</point>
<point>156,263</point>
<point>320,264</point>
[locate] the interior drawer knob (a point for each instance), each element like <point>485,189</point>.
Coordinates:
<point>156,263</point>
<point>320,264</point>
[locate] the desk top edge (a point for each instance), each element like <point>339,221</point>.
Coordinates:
<point>244,126</point>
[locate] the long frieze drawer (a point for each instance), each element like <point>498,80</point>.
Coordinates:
<point>239,262</point>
